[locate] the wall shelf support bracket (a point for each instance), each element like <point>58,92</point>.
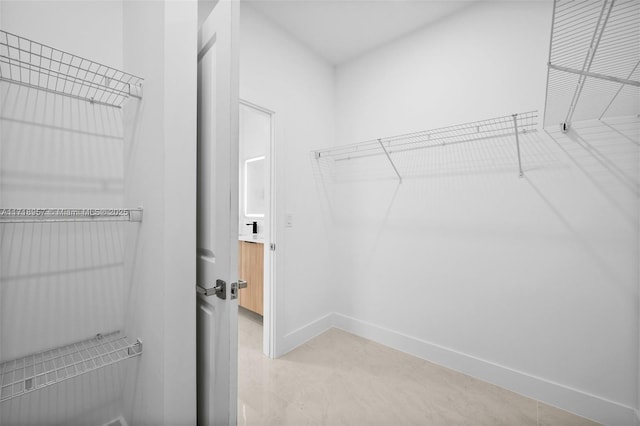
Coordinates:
<point>515,130</point>
<point>390,160</point>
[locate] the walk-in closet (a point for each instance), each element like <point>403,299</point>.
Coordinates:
<point>464,190</point>
<point>311,212</point>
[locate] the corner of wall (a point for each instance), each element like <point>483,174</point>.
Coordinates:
<point>180,89</point>
<point>303,334</point>
<point>144,55</point>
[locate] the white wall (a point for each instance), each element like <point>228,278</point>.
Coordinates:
<point>160,153</point>
<point>180,131</point>
<point>483,61</point>
<point>278,73</point>
<point>528,283</point>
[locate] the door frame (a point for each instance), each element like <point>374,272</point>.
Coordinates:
<point>269,284</point>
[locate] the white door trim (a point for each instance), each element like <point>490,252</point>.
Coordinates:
<point>269,285</point>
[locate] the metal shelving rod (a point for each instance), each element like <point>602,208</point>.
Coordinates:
<point>596,75</point>
<point>553,23</point>
<point>618,91</point>
<point>514,124</point>
<point>588,60</point>
<point>36,65</point>
<point>33,215</point>
<point>515,131</point>
<point>390,160</point>
<point>33,372</point>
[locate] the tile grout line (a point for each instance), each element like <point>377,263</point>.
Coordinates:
<point>537,413</point>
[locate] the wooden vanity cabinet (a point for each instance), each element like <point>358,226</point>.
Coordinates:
<point>251,269</point>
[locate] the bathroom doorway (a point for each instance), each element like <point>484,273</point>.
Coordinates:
<point>256,225</point>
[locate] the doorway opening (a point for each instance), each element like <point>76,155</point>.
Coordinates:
<point>256,214</point>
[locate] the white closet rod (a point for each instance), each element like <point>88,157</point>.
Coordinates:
<point>509,125</point>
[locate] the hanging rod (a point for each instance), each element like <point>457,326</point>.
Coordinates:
<point>622,81</point>
<point>34,372</point>
<point>36,65</point>
<point>31,215</point>
<point>509,125</point>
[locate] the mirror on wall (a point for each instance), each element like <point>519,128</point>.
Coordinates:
<point>254,187</point>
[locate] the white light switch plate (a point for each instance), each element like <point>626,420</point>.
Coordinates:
<point>288,220</point>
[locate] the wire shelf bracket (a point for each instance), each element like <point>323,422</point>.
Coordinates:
<point>515,131</point>
<point>36,65</point>
<point>390,160</point>
<point>599,43</point>
<point>33,215</point>
<point>34,372</point>
<point>505,126</point>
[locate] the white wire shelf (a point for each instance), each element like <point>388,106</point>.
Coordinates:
<point>29,63</point>
<point>594,61</point>
<point>509,125</point>
<point>31,215</point>
<point>33,372</point>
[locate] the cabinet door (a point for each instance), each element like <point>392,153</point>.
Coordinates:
<point>243,274</point>
<point>251,266</point>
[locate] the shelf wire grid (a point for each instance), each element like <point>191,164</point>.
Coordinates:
<point>461,133</point>
<point>33,372</point>
<point>32,64</point>
<point>596,45</point>
<point>31,215</point>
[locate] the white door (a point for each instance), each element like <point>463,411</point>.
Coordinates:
<point>217,221</point>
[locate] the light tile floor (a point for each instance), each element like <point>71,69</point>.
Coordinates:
<point>338,378</point>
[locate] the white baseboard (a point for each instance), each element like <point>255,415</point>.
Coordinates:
<point>573,400</point>
<point>569,399</point>
<point>303,334</point>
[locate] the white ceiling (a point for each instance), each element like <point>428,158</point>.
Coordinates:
<point>340,30</point>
